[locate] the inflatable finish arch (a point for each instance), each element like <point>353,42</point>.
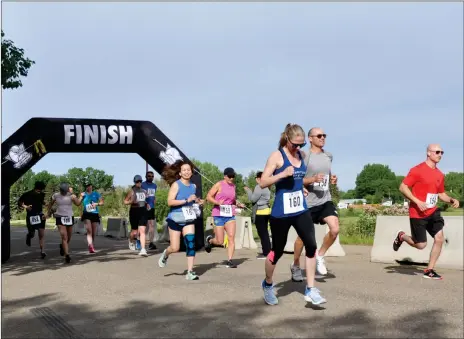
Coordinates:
<point>40,136</point>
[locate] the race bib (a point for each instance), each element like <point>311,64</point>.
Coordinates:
<point>35,219</point>
<point>66,221</point>
<point>140,196</point>
<point>189,213</point>
<point>90,208</point>
<point>293,202</point>
<point>225,210</point>
<point>151,192</point>
<point>431,200</point>
<point>324,184</point>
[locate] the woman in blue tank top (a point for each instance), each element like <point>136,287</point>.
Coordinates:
<point>286,169</point>
<point>184,209</point>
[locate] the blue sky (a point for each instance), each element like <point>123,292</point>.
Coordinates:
<point>383,80</point>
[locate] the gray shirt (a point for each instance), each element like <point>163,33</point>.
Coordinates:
<point>319,193</point>
<point>64,205</point>
<point>260,197</point>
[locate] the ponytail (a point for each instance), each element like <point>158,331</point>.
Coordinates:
<point>291,130</point>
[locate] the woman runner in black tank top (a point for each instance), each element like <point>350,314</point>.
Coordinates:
<point>138,218</point>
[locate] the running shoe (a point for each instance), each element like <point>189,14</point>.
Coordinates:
<point>163,260</point>
<point>431,274</point>
<point>207,244</point>
<point>269,294</point>
<point>313,295</point>
<point>191,275</point>
<point>398,240</point>
<point>321,269</point>
<point>295,271</point>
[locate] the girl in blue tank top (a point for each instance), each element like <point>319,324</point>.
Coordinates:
<point>184,210</point>
<point>286,169</point>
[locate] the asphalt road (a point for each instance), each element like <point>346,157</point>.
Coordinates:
<point>116,294</point>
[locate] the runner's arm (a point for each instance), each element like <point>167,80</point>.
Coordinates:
<point>128,198</point>
<point>267,179</point>
<point>409,181</point>
<point>173,190</point>
<point>212,193</point>
<point>77,201</point>
<point>50,205</point>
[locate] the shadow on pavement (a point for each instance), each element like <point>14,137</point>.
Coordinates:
<point>142,318</point>
<point>201,269</point>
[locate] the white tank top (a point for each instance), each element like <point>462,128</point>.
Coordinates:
<point>64,205</point>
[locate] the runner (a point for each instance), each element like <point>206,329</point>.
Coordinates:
<point>319,200</point>
<point>222,195</point>
<point>261,212</point>
<point>150,187</point>
<point>136,198</point>
<point>33,202</point>
<point>182,214</point>
<point>428,185</point>
<point>286,169</point>
<point>64,216</point>
<point>90,214</point>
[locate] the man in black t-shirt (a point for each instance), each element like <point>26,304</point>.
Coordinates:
<point>33,201</point>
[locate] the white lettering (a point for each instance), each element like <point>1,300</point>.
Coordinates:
<point>90,133</point>
<point>112,134</point>
<point>102,134</point>
<point>68,133</point>
<point>98,134</point>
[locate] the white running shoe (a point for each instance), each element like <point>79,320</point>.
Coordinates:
<point>296,273</point>
<point>320,265</point>
<point>143,252</point>
<point>131,246</point>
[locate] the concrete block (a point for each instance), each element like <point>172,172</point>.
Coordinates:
<point>164,237</point>
<point>117,228</point>
<point>336,250</point>
<point>387,227</point>
<point>78,226</point>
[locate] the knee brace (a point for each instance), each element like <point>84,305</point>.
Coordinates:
<point>274,257</point>
<point>189,240</point>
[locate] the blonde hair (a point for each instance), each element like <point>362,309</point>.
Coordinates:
<point>291,131</point>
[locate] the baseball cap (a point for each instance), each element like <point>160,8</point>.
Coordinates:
<point>229,171</point>
<point>138,178</point>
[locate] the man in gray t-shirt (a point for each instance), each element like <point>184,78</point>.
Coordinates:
<point>317,181</point>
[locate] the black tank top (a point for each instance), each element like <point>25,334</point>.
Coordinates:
<point>139,197</point>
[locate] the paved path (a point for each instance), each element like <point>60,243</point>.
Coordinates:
<point>116,294</point>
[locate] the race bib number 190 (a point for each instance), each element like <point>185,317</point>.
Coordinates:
<point>66,221</point>
<point>189,213</point>
<point>293,202</point>
<point>225,210</point>
<point>35,219</point>
<point>431,200</point>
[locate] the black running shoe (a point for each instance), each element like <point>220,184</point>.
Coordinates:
<point>43,255</point>
<point>229,264</point>
<point>152,246</point>
<point>431,274</point>
<point>28,240</point>
<point>61,250</point>
<point>207,244</point>
<point>68,259</point>
<point>397,242</point>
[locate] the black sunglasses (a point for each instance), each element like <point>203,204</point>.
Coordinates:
<point>138,181</point>
<point>231,176</point>
<point>298,145</point>
<point>439,152</point>
<point>319,136</point>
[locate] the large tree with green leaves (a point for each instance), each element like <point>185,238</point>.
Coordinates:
<point>376,180</point>
<point>14,64</point>
<point>78,177</point>
<point>454,184</point>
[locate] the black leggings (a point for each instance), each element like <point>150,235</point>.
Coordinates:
<point>304,227</point>
<point>261,222</point>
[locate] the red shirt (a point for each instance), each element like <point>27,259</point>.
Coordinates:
<point>426,183</point>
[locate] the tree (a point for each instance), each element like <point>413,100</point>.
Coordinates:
<point>24,184</point>
<point>14,64</point>
<point>375,179</point>
<point>350,194</point>
<point>43,176</point>
<point>335,193</point>
<point>454,182</point>
<point>78,177</point>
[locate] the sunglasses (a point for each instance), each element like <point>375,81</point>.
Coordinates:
<point>319,136</point>
<point>298,145</point>
<point>231,176</point>
<point>438,152</point>
<point>138,181</point>
<point>149,176</point>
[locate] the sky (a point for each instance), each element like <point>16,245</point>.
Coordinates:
<point>222,80</point>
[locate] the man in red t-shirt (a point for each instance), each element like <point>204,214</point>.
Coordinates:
<point>428,185</point>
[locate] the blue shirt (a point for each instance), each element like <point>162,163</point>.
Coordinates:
<point>93,197</point>
<point>289,199</point>
<point>151,191</point>
<point>184,193</point>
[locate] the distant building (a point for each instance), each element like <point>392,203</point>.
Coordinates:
<point>345,203</point>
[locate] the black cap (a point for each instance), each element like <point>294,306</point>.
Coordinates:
<point>39,185</point>
<point>64,187</point>
<point>229,171</point>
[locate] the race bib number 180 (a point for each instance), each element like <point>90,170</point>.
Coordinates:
<point>189,213</point>
<point>140,196</point>
<point>66,221</point>
<point>225,210</point>
<point>431,200</point>
<point>293,202</point>
<point>35,219</point>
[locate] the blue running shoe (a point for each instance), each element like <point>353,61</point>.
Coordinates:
<point>137,245</point>
<point>313,295</point>
<point>269,295</point>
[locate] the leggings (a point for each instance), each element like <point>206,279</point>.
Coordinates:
<point>261,222</point>
<point>304,227</point>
